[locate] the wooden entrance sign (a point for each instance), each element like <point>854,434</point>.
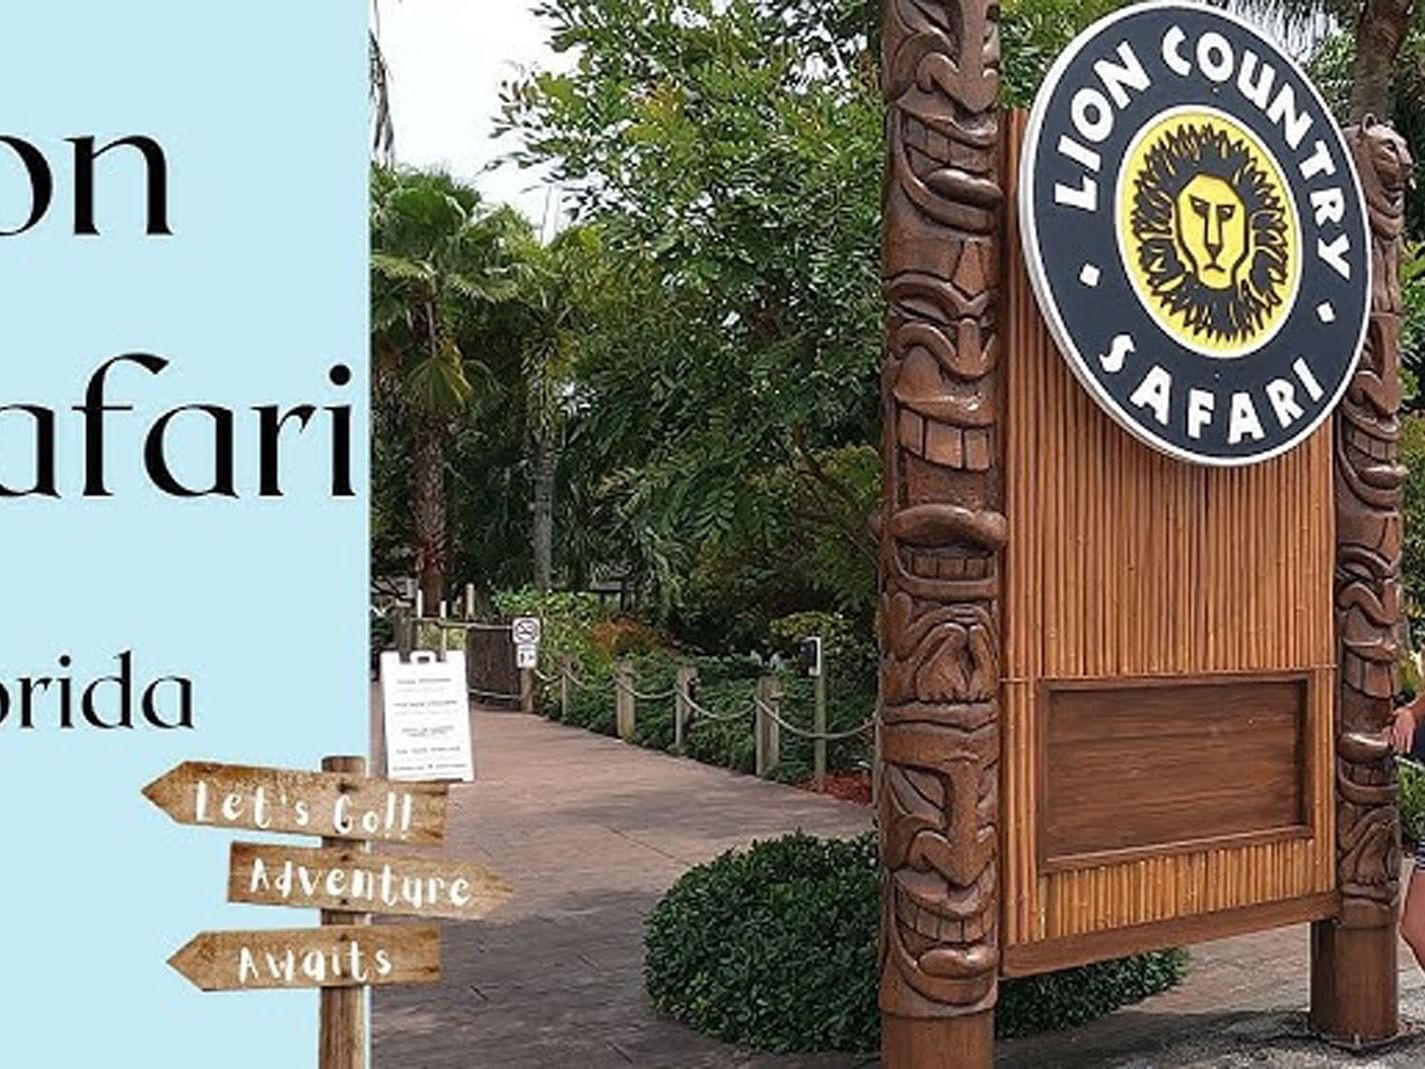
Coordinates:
<point>1133,697</point>
<point>342,878</point>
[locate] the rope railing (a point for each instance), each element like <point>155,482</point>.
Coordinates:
<point>762,715</point>
<point>824,736</point>
<point>453,624</point>
<point>661,696</point>
<point>704,714</point>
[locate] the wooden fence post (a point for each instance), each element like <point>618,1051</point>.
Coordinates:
<point>768,731</point>
<point>625,707</point>
<point>683,689</point>
<point>566,667</point>
<point>405,635</point>
<point>342,1040</point>
<point>526,690</point>
<point>819,744</point>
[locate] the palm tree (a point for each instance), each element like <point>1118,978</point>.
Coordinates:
<point>439,264</point>
<point>1380,28</point>
<point>383,129</point>
<point>555,281</point>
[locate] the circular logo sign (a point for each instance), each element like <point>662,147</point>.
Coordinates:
<point>1195,233</point>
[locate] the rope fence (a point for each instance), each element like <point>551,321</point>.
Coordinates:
<point>827,736</point>
<point>764,713</point>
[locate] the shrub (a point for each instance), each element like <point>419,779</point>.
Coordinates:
<point>850,655</point>
<point>1412,802</point>
<point>622,636</point>
<point>1064,999</point>
<point>567,620</point>
<point>775,947</point>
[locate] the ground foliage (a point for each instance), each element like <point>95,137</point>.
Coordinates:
<point>775,947</point>
<point>592,639</point>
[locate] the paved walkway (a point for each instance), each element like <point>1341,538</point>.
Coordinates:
<point>591,832</point>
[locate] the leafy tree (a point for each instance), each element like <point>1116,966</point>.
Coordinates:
<point>1033,33</point>
<point>557,284</point>
<point>725,156</point>
<point>731,155</point>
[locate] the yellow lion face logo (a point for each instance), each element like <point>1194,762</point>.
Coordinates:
<point>1209,234</point>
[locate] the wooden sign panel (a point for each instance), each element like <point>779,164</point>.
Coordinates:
<point>333,956</point>
<point>1150,607</point>
<point>355,881</point>
<point>329,804</point>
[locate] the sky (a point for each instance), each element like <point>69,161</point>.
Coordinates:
<point>447,59</point>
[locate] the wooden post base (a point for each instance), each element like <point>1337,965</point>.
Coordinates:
<point>941,1043</point>
<point>1355,984</point>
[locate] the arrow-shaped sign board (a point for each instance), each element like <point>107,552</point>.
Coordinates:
<point>355,881</point>
<point>330,804</point>
<point>335,956</point>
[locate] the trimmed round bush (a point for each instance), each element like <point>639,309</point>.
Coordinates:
<point>774,947</point>
<point>768,946</point>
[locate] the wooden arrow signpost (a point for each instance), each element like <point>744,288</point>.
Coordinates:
<point>356,881</point>
<point>342,878</point>
<point>332,804</point>
<point>334,956</point>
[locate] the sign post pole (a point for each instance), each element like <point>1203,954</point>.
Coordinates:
<point>1354,975</point>
<point>347,953</point>
<point>942,530</point>
<point>342,1038</point>
<point>527,632</point>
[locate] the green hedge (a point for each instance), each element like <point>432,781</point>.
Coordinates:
<point>1412,803</point>
<point>725,685</point>
<point>774,947</point>
<point>574,623</point>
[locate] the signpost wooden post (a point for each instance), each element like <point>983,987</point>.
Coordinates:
<point>341,1039</point>
<point>342,878</point>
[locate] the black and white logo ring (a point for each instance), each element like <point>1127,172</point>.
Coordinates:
<point>1195,233</point>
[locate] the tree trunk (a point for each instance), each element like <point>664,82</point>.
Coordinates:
<point>546,465</point>
<point>428,502</point>
<point>1381,28</point>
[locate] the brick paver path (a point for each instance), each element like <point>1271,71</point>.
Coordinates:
<point>591,832</point>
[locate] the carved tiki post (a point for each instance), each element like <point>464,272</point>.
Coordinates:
<point>1354,996</point>
<point>942,529</point>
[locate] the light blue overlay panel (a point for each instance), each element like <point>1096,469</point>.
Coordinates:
<point>261,109</point>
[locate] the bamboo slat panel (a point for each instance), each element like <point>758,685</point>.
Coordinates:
<point>1125,562</point>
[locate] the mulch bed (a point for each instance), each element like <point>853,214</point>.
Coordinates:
<point>848,786</point>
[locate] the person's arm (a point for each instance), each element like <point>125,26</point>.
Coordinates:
<point>1407,721</point>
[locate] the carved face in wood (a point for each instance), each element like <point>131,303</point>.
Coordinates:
<point>1387,157</point>
<point>944,80</point>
